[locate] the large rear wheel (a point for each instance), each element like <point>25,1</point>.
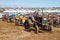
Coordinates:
<point>26,24</point>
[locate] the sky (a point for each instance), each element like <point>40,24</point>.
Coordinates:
<point>29,3</point>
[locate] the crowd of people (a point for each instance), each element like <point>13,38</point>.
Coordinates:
<point>54,20</point>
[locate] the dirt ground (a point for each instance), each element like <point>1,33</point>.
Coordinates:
<point>8,31</point>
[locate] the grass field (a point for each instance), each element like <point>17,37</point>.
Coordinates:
<point>8,31</point>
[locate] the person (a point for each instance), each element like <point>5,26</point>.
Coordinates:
<point>36,15</point>
<point>54,21</point>
<point>32,18</point>
<point>50,20</point>
<point>58,22</point>
<point>7,16</point>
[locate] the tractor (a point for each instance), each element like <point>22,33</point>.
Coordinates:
<point>11,18</point>
<point>38,23</point>
<point>20,20</point>
<point>5,17</point>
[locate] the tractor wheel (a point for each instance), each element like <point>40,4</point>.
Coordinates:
<point>26,24</point>
<point>2,19</point>
<point>16,22</point>
<point>49,28</point>
<point>19,22</point>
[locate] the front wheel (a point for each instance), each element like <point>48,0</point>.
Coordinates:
<point>49,28</point>
<point>2,19</point>
<point>17,22</point>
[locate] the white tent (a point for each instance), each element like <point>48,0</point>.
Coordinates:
<point>19,11</point>
<point>10,11</point>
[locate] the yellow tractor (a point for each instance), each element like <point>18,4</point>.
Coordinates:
<point>20,20</point>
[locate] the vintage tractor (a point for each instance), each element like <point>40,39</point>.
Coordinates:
<point>46,24</point>
<point>5,17</point>
<point>11,19</point>
<point>30,23</point>
<point>20,20</point>
<point>39,24</point>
